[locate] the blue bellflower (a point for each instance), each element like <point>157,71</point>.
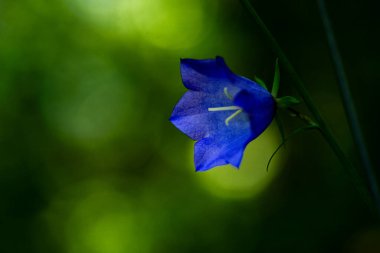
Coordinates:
<point>222,111</point>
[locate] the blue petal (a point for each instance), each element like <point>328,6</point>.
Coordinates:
<point>260,106</point>
<point>205,75</point>
<point>212,75</point>
<point>214,151</point>
<point>218,143</point>
<point>192,117</point>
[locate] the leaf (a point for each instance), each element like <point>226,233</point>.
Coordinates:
<point>276,80</point>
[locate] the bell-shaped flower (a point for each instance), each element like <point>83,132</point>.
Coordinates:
<point>221,111</point>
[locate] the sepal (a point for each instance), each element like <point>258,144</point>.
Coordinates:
<point>260,82</point>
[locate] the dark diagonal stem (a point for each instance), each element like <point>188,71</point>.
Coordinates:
<point>300,87</point>
<point>348,103</point>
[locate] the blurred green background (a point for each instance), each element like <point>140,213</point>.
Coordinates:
<point>90,163</point>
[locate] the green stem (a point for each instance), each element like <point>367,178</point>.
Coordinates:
<point>306,119</point>
<point>300,87</point>
<point>348,104</point>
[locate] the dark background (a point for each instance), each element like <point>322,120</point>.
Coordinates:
<point>90,163</point>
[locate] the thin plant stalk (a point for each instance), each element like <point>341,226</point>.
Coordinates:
<point>300,87</point>
<point>348,103</point>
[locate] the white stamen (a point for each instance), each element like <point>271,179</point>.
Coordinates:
<point>224,108</point>
<point>232,116</point>
<point>228,95</point>
<point>227,108</point>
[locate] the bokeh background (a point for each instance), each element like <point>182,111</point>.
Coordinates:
<point>90,163</point>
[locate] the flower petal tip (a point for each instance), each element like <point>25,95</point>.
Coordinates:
<point>204,169</point>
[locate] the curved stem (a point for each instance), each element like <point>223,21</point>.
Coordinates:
<point>348,104</point>
<point>300,87</point>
